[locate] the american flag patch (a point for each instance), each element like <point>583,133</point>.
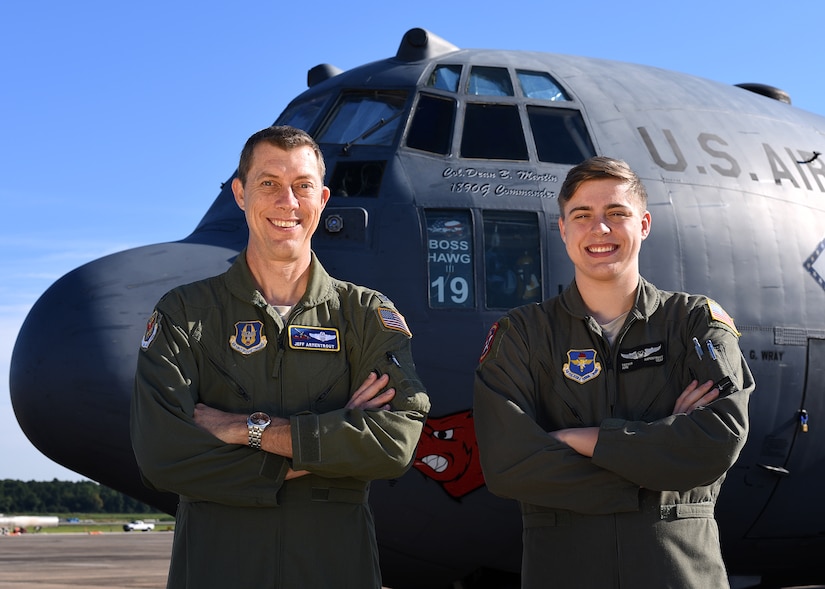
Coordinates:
<point>717,313</point>
<point>392,319</point>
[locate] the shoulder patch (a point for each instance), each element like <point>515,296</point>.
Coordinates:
<point>491,343</point>
<point>152,329</point>
<point>717,313</point>
<point>393,320</point>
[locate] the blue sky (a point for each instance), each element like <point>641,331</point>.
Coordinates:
<point>119,121</point>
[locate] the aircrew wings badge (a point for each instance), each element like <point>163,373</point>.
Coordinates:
<point>581,365</point>
<point>248,338</point>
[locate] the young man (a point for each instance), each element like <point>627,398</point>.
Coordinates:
<point>261,397</point>
<point>613,411</point>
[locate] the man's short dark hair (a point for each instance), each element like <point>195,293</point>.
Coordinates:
<point>282,136</point>
<point>599,168</point>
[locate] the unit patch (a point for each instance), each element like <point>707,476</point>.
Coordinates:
<point>392,319</point>
<point>582,366</point>
<point>325,339</point>
<point>152,328</point>
<point>249,337</point>
<point>642,357</point>
<point>488,343</point>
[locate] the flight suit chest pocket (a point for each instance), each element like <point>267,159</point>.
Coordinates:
<point>316,375</point>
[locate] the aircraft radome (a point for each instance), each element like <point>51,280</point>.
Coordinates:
<point>444,165</point>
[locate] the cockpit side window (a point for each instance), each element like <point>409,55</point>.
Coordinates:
<point>512,259</point>
<point>560,135</point>
<point>364,118</point>
<point>493,131</point>
<point>489,81</point>
<point>445,77</point>
<point>432,124</point>
<point>540,85</point>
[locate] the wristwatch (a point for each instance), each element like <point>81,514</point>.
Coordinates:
<point>257,423</point>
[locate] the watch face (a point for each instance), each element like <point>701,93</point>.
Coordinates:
<point>259,418</point>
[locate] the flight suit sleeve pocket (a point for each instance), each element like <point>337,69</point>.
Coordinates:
<point>410,394</point>
<point>335,395</point>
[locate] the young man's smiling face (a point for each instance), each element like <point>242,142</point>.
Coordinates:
<point>603,227</point>
<point>282,198</point>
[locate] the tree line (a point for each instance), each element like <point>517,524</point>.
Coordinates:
<point>39,497</point>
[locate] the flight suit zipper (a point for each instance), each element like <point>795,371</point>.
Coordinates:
<point>279,357</point>
<point>602,345</point>
<point>614,361</point>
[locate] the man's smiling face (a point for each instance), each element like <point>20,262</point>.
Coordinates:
<point>282,198</point>
<point>603,227</point>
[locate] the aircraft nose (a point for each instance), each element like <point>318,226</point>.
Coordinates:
<point>72,368</point>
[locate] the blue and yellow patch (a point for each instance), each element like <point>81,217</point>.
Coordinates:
<point>304,337</point>
<point>581,366</point>
<point>248,338</point>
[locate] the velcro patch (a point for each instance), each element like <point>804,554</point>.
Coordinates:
<point>642,357</point>
<point>581,365</point>
<point>304,337</point>
<point>717,313</point>
<point>152,329</point>
<point>248,337</point>
<point>392,319</point>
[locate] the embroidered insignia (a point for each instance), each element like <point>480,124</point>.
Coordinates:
<point>152,328</point>
<point>717,313</point>
<point>249,337</point>
<point>641,357</point>
<point>303,337</point>
<point>582,366</point>
<point>488,343</point>
<point>392,319</point>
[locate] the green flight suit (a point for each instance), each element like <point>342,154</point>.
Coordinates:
<point>639,514</point>
<point>239,523</point>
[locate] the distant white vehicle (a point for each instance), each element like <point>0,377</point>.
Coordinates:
<point>138,526</point>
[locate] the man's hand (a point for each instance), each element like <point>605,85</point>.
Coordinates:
<point>369,396</point>
<point>695,395</point>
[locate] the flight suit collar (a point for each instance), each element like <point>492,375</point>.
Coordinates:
<point>241,283</point>
<point>648,299</point>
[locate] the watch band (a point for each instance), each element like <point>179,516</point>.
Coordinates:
<point>255,433</point>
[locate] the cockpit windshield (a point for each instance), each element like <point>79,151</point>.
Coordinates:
<point>364,118</point>
<point>498,114</point>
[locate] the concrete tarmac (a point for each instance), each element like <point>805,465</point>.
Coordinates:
<point>115,560</point>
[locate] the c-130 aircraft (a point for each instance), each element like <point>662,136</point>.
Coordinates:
<point>444,165</point>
